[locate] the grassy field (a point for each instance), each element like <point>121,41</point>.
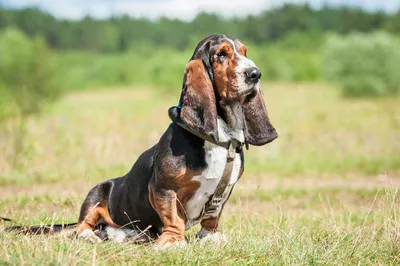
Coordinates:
<point>325,192</point>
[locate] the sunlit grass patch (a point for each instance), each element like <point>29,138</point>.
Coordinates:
<point>368,236</point>
<point>99,134</point>
<point>323,193</point>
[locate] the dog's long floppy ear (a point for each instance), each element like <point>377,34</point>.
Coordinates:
<point>258,129</point>
<point>199,110</point>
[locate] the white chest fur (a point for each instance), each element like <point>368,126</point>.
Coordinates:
<point>216,160</point>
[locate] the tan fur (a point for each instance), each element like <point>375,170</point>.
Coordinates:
<point>170,204</point>
<point>95,214</point>
<point>224,72</point>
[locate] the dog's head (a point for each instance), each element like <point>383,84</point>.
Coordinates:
<point>219,74</point>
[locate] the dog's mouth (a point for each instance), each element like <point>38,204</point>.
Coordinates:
<point>251,95</point>
<point>248,94</point>
<point>241,95</point>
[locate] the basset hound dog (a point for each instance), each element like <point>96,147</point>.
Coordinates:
<point>188,176</point>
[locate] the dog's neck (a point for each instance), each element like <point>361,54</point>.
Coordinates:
<point>231,127</point>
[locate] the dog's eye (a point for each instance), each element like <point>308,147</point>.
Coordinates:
<point>221,55</point>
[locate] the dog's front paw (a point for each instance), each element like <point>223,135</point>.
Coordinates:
<point>167,242</point>
<point>216,237</point>
<point>170,245</point>
<point>90,236</point>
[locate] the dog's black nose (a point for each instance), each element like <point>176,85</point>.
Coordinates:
<point>254,74</point>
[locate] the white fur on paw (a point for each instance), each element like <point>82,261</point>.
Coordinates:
<point>90,236</point>
<point>215,237</point>
<point>120,235</point>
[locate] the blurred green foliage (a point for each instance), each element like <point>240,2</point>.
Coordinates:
<point>364,65</point>
<point>28,75</point>
<point>287,43</point>
<point>164,68</point>
<point>294,58</point>
<point>28,81</point>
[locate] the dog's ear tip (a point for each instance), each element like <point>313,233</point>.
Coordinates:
<point>262,140</point>
<point>272,137</point>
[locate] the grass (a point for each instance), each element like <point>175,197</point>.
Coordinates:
<point>260,231</point>
<point>325,192</point>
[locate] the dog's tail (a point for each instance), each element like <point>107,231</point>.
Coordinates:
<point>37,229</point>
<point>40,229</point>
<point>5,219</point>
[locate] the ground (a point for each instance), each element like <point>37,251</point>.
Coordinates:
<point>325,192</point>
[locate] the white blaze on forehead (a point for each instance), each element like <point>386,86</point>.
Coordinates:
<point>243,62</point>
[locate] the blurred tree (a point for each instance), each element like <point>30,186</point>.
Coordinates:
<point>27,82</point>
<point>393,23</point>
<point>117,33</point>
<point>364,65</point>
<point>4,18</point>
<point>110,37</point>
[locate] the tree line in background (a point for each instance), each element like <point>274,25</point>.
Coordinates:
<point>42,57</point>
<point>118,33</point>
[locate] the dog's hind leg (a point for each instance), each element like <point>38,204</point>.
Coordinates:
<point>93,211</point>
<point>86,226</point>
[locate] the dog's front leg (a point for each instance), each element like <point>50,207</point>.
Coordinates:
<point>210,231</point>
<point>165,203</point>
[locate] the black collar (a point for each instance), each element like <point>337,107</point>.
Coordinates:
<point>231,145</point>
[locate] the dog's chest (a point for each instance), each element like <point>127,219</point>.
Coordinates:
<point>215,157</point>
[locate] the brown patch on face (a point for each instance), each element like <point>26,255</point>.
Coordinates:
<point>224,72</point>
<point>243,50</point>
